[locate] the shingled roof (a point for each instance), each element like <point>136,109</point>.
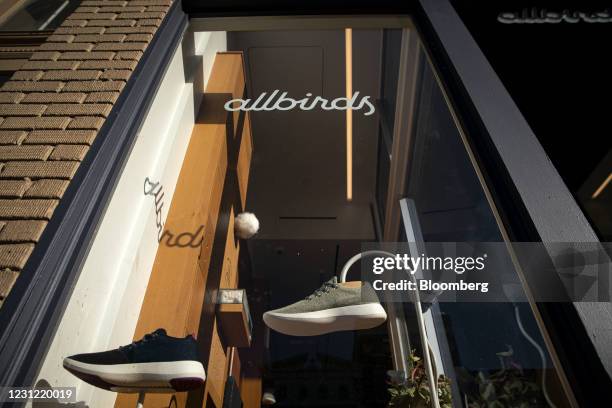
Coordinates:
<point>52,109</point>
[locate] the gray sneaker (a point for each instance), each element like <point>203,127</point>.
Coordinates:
<point>331,308</point>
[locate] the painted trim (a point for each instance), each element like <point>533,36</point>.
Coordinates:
<point>211,8</point>
<point>31,314</point>
<point>301,22</point>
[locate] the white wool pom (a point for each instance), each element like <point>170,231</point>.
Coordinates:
<point>246,225</point>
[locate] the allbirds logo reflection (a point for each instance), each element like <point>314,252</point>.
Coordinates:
<point>183,239</point>
<point>265,102</point>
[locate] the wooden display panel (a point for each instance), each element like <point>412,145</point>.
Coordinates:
<point>177,285</point>
<point>175,292</point>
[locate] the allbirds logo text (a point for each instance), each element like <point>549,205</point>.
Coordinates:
<point>270,102</point>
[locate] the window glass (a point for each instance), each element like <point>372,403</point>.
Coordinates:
<point>486,341</point>
<point>34,15</point>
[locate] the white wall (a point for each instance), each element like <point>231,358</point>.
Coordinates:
<point>103,310</point>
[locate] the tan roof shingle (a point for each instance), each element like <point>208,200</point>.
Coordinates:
<point>72,75</point>
<point>47,188</point>
<point>60,137</point>
<point>113,64</point>
<point>99,38</point>
<point>11,97</point>
<point>39,169</point>
<point>69,152</point>
<point>51,97</point>
<point>74,109</point>
<point>94,86</point>
<point>129,30</point>
<point>17,109</point>
<point>28,86</point>
<point>52,109</point>
<point>12,153</point>
<point>7,280</point>
<point>100,97</point>
<point>45,56</point>
<point>14,256</point>
<point>126,46</point>
<point>14,188</point>
<point>27,209</point>
<point>87,122</point>
<point>83,56</point>
<point>52,46</point>
<point>41,122</point>
<point>27,75</point>
<point>49,65</point>
<point>112,23</point>
<point>80,30</point>
<point>12,137</point>
<point>22,231</point>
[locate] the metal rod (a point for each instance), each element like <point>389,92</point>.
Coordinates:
<point>437,333</point>
<point>53,16</point>
<point>357,257</point>
<point>433,388</point>
<point>141,398</point>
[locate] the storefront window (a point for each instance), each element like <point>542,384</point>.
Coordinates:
<point>490,344</point>
<point>312,186</point>
<point>224,181</point>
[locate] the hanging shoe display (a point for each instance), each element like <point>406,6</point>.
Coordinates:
<point>335,306</point>
<point>157,362</point>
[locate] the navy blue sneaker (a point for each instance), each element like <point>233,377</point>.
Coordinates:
<point>157,362</point>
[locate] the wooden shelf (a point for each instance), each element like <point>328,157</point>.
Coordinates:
<point>177,286</point>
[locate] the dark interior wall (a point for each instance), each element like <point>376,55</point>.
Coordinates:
<point>297,189</point>
<point>298,179</point>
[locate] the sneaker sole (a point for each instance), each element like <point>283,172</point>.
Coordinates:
<point>152,377</point>
<point>354,317</point>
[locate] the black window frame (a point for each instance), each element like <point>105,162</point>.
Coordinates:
<point>532,208</point>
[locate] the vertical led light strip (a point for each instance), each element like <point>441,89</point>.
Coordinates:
<point>348,35</point>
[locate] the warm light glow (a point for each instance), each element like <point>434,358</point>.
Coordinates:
<point>602,187</point>
<point>348,34</point>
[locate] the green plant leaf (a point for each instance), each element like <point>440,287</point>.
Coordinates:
<point>488,392</point>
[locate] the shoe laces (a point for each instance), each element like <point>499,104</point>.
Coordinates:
<point>146,338</point>
<point>325,288</point>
